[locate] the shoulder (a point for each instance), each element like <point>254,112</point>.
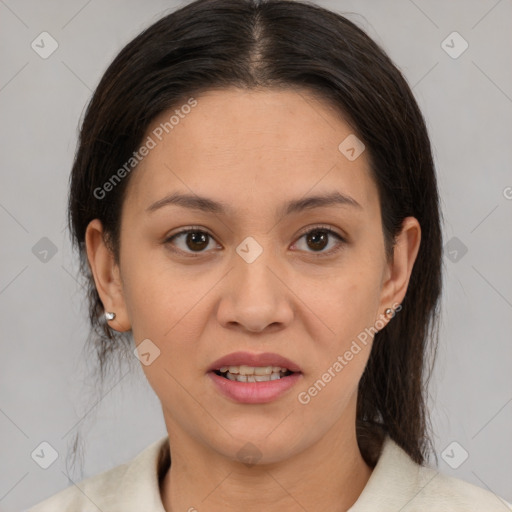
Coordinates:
<point>399,483</point>
<point>451,494</point>
<point>122,488</point>
<point>91,494</point>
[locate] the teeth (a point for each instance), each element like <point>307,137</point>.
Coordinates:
<point>252,370</point>
<point>253,378</point>
<point>246,370</point>
<point>265,370</point>
<point>244,373</point>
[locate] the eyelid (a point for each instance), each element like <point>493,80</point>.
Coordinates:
<point>321,227</point>
<point>188,229</point>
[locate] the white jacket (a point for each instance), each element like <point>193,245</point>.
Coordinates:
<point>396,484</point>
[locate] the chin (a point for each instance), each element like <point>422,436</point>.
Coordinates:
<point>254,448</point>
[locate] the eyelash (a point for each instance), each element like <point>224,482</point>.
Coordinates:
<point>321,228</point>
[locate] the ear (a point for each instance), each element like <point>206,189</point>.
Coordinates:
<point>398,270</point>
<point>106,275</point>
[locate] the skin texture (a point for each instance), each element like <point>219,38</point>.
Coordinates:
<point>254,150</point>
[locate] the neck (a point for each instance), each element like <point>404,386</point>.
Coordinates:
<point>327,476</point>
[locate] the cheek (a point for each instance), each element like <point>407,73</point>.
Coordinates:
<point>157,293</point>
<point>342,350</point>
<point>341,355</point>
<point>166,306</point>
<point>349,300</point>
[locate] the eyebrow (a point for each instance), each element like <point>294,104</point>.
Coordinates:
<point>207,205</point>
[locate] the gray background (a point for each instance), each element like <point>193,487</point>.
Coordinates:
<point>46,393</point>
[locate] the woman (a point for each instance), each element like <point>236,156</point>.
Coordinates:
<point>254,200</point>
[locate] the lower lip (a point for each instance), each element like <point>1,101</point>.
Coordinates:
<point>254,392</point>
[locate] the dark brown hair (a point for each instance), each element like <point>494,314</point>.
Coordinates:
<point>215,44</point>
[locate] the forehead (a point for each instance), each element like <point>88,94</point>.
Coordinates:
<point>246,146</point>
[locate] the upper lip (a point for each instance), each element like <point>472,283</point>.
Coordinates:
<point>250,359</point>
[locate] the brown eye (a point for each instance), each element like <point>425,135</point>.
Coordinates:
<point>318,238</point>
<point>192,240</point>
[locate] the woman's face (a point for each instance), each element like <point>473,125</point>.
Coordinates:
<point>248,278</point>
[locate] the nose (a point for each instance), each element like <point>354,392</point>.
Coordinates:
<point>255,295</point>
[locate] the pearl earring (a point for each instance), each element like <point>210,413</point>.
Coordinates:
<point>109,316</point>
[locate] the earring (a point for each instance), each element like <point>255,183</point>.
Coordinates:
<point>109,316</point>
<point>388,312</point>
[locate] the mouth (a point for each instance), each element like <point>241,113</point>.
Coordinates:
<point>249,378</point>
<point>244,373</point>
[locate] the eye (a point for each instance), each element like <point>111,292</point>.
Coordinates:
<point>317,238</point>
<point>195,239</point>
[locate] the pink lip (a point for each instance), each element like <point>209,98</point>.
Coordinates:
<point>263,359</point>
<point>254,392</point>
